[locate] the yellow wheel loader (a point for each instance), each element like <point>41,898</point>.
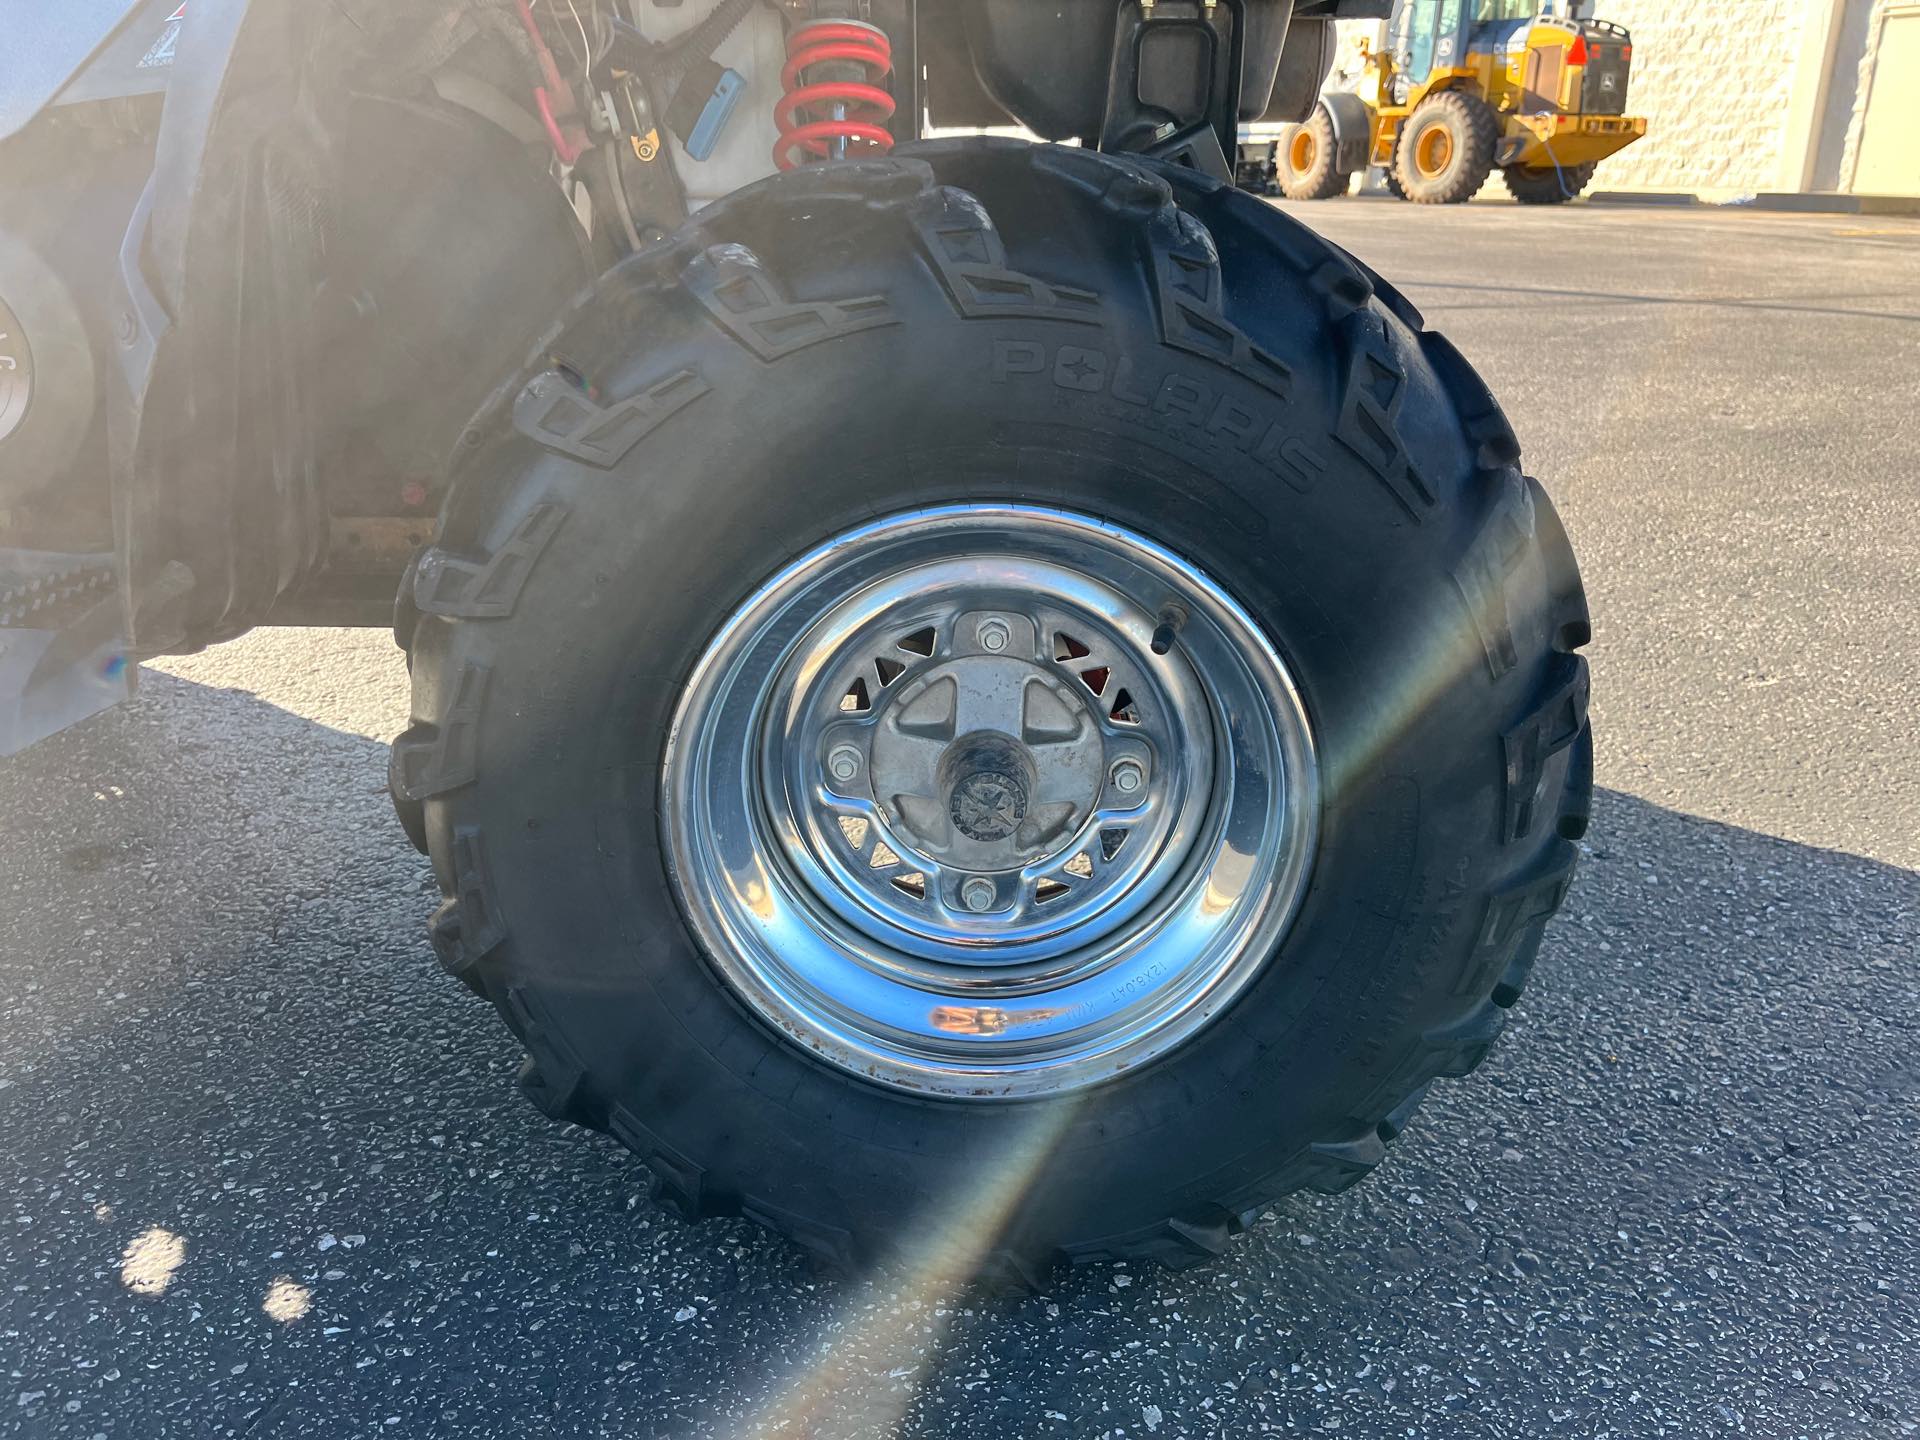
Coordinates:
<point>1467,86</point>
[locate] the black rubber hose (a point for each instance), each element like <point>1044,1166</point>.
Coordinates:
<point>666,62</point>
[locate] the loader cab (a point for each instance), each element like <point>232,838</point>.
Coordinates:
<point>1426,35</point>
<point>1429,36</point>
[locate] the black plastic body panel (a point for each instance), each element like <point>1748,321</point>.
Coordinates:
<point>1302,70</point>
<point>216,514</point>
<point>308,324</point>
<point>1603,89</point>
<point>1047,67</point>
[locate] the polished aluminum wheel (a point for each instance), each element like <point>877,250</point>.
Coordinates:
<point>989,800</point>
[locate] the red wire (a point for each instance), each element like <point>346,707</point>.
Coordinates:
<point>567,151</point>
<point>543,95</point>
<point>542,54</point>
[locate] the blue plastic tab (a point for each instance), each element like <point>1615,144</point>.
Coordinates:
<point>715,114</point>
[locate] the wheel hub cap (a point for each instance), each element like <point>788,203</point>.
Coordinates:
<point>989,805</point>
<point>938,809</point>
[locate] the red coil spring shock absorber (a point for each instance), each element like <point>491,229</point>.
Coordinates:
<point>826,117</point>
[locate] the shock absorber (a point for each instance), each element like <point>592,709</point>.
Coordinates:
<point>833,103</point>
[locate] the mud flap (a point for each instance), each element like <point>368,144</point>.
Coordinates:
<point>1352,131</point>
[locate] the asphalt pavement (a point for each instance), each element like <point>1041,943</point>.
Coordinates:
<point>263,1171</point>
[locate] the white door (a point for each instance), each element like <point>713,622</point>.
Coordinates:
<point>1888,160</point>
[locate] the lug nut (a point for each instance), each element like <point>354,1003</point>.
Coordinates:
<point>978,894</point>
<point>844,763</point>
<point>1128,776</point>
<point>994,635</point>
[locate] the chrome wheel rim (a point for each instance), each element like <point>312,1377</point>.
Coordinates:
<point>989,800</point>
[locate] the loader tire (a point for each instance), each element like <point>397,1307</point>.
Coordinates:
<point>1056,384</point>
<point>1305,163</point>
<point>1445,151</point>
<point>1547,186</point>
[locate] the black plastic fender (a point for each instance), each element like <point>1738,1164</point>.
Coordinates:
<point>1300,71</point>
<point>215,519</point>
<point>1352,130</point>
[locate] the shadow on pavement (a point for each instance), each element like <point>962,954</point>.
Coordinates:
<point>269,1175</point>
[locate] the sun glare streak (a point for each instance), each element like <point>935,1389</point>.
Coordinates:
<point>148,1263</point>
<point>859,1363</point>
<point>1408,678</point>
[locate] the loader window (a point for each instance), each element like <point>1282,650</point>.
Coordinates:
<point>1449,46</point>
<point>1421,29</point>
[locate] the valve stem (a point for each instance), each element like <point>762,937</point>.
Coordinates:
<point>1171,620</point>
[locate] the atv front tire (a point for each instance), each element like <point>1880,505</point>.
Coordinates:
<point>1146,451</point>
